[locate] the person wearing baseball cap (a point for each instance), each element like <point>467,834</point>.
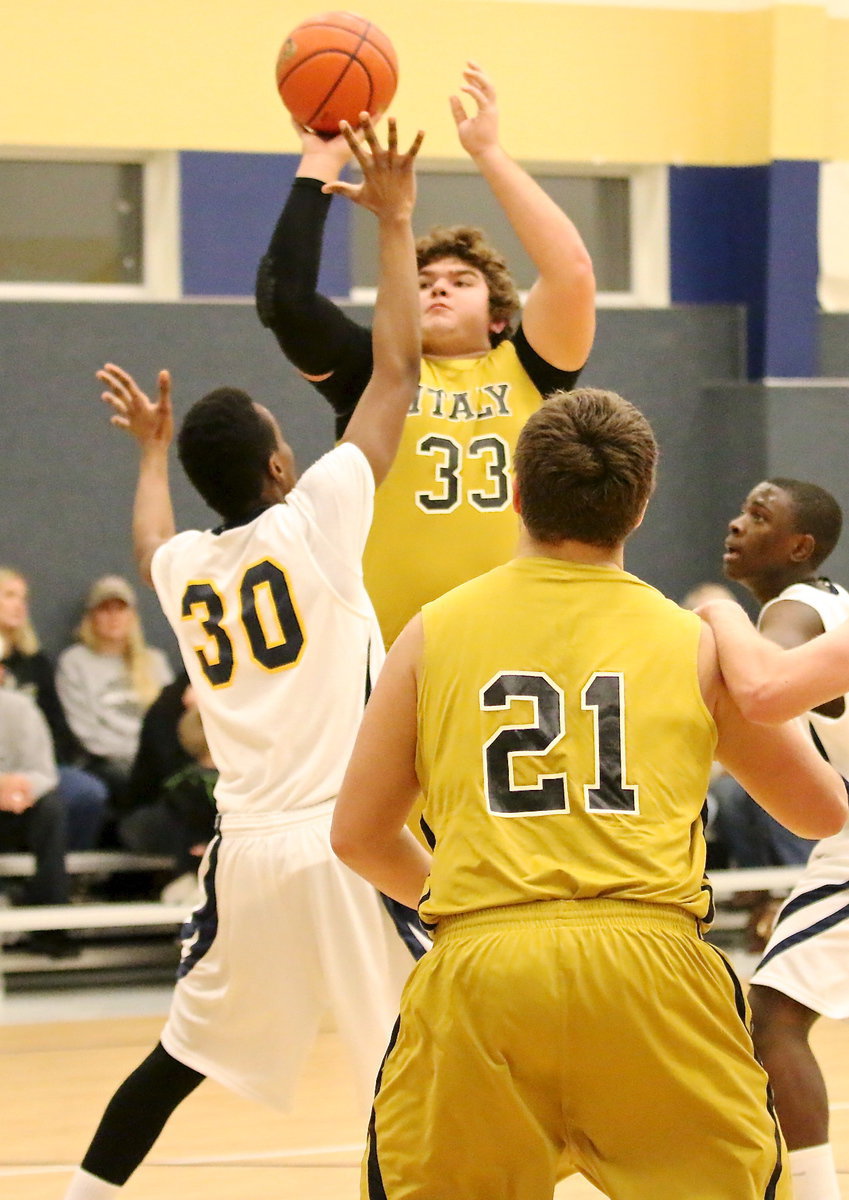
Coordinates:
<point>110,587</point>
<point>107,680</point>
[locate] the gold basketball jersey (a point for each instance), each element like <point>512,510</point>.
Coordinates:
<point>444,512</point>
<point>564,745</point>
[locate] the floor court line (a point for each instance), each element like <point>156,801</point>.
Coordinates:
<point>202,1160</point>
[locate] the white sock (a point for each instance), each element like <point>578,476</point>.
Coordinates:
<point>814,1173</point>
<point>84,1186</point>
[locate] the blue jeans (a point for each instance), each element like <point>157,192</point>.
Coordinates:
<point>751,836</point>
<point>41,830</point>
<point>85,798</point>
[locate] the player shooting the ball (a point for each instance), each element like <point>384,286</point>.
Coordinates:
<point>444,513</point>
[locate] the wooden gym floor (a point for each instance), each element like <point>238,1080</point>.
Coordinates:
<point>57,1077</point>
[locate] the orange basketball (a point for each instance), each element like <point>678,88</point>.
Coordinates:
<point>333,67</point>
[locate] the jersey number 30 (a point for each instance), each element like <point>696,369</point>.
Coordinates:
<point>268,615</point>
<point>604,696</point>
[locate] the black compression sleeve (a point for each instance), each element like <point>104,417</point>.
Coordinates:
<point>313,333</point>
<point>545,378</point>
<point>295,246</point>
<point>136,1115</point>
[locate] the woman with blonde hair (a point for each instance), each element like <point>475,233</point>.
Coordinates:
<point>108,680</point>
<point>26,668</point>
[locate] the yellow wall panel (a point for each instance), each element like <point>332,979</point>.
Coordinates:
<point>576,82</point>
<point>798,92</point>
<point>837,70</point>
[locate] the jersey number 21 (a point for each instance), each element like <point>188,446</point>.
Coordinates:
<point>603,695</point>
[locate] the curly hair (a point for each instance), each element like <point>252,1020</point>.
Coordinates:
<point>469,244</point>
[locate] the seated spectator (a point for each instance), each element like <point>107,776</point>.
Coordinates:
<point>751,836</point>
<point>160,753</point>
<point>32,816</point>
<point>108,680</point>
<point>30,671</point>
<point>181,821</point>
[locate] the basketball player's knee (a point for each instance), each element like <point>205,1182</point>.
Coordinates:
<point>775,1018</point>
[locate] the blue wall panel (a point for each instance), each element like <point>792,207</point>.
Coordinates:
<point>748,235</point>
<point>718,233</point>
<point>229,206</point>
<point>792,316</point>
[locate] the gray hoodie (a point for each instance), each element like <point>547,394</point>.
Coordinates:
<point>26,747</point>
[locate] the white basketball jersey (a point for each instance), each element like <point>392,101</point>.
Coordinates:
<point>831,602</point>
<point>279,636</point>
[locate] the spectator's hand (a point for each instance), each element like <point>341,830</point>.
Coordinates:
<point>389,182</point>
<point>151,423</point>
<point>478,132</point>
<point>15,793</point>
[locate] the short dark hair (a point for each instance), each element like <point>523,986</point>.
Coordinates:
<point>470,245</point>
<point>815,511</point>
<point>224,445</point>
<point>585,468</point>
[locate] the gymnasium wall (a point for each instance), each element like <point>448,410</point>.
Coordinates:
<point>68,477</point>
<point>67,480</point>
<point>693,83</point>
<point>742,103</point>
<point>742,100</point>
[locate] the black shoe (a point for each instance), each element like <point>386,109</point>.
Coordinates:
<point>55,943</point>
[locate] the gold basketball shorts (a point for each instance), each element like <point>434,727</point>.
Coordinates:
<point>603,1037</point>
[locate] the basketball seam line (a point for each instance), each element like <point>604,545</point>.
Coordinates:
<point>363,37</point>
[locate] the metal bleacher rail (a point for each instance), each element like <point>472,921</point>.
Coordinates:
<point>778,880</point>
<point>106,915</point>
<point>153,914</point>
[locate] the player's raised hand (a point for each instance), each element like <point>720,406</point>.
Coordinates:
<point>323,155</point>
<point>389,182</point>
<point>478,132</point>
<point>150,422</point>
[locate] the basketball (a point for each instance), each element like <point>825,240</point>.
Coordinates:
<point>333,67</point>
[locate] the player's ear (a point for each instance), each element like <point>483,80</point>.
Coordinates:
<point>517,503</point>
<point>278,474</point>
<point>640,518</point>
<point>497,326</point>
<point>803,547</point>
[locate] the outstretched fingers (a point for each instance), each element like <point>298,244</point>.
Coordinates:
<point>354,143</point>
<point>476,94</point>
<point>392,136</point>
<point>415,147</point>
<point>369,134</point>
<point>164,391</point>
<point>476,77</point>
<point>370,139</point>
